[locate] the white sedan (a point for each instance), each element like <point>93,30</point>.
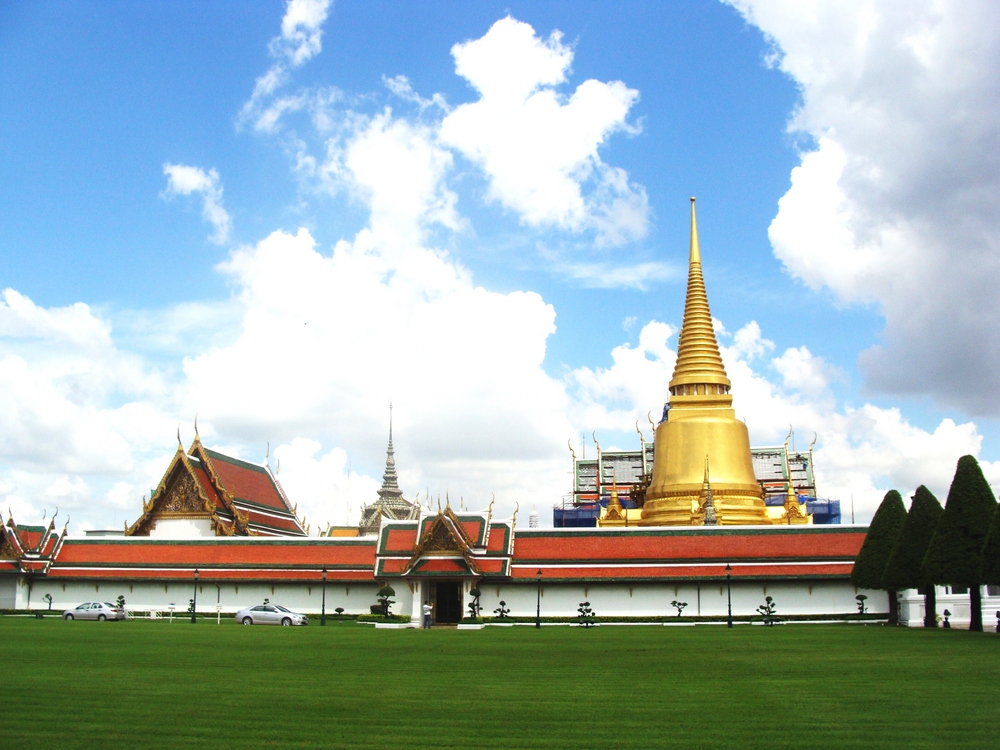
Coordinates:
<point>94,611</point>
<point>270,614</point>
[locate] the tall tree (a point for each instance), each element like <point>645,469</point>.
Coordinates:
<point>883,534</point>
<point>905,567</point>
<point>990,570</point>
<point>955,554</point>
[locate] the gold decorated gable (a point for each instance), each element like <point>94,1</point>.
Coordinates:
<point>445,537</point>
<point>184,499</point>
<point>7,551</point>
<point>181,494</point>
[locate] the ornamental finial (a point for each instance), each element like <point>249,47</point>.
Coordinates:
<point>698,369</point>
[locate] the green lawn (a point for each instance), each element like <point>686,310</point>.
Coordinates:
<point>151,684</point>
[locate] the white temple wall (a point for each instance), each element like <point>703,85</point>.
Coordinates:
<point>558,599</point>
<point>654,599</point>
<point>355,598</point>
<point>182,528</point>
<point>911,608</point>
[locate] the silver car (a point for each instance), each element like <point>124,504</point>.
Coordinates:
<point>94,611</point>
<point>270,614</point>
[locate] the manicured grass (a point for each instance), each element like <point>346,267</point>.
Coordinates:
<point>153,684</point>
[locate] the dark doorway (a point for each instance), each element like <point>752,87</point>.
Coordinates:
<point>447,601</point>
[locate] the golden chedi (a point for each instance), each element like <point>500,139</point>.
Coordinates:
<point>701,432</point>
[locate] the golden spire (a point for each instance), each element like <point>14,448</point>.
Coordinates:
<point>614,502</point>
<point>698,360</point>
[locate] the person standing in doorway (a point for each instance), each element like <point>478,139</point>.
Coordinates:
<point>428,610</point>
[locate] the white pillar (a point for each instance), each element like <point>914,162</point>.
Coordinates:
<point>416,610</point>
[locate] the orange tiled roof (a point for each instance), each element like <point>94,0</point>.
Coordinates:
<point>753,552</point>
<point>234,558</point>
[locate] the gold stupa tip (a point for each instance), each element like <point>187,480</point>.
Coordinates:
<point>699,362</point>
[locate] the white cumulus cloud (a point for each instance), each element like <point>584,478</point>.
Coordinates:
<point>186,180</point>
<point>538,148</point>
<point>300,40</point>
<point>899,201</point>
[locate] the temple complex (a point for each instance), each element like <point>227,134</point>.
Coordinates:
<point>695,515</point>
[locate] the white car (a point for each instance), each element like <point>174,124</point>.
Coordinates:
<point>270,614</point>
<point>94,611</point>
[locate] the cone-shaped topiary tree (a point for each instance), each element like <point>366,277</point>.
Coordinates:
<point>955,554</point>
<point>905,567</point>
<point>990,570</point>
<point>883,534</point>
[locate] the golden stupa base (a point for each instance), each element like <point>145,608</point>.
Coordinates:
<point>684,507</point>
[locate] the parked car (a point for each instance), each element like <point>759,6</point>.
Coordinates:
<point>95,611</point>
<point>270,614</point>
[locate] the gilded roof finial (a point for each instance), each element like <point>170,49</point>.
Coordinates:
<point>179,443</point>
<point>710,519</point>
<point>571,451</point>
<point>614,503</point>
<point>698,360</point>
<point>197,439</point>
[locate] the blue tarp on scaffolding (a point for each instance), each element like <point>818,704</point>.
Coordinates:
<point>823,512</point>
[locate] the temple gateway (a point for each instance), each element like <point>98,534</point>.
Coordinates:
<point>695,517</point>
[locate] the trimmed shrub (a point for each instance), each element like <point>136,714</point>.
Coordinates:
<point>883,534</point>
<point>905,567</point>
<point>989,572</point>
<point>955,553</point>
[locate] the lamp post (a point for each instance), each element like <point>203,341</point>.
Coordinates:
<point>322,619</point>
<point>729,594</point>
<point>194,601</point>
<point>538,606</point>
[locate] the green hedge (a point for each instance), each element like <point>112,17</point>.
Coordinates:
<point>382,618</point>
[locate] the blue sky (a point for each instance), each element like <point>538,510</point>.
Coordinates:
<point>100,100</point>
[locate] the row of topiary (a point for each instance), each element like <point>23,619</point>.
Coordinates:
<point>956,546</point>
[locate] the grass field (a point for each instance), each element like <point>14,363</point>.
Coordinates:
<point>153,684</point>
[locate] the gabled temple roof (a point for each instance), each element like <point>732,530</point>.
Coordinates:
<point>240,498</point>
<point>257,492</point>
<point>28,548</point>
<point>446,544</point>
